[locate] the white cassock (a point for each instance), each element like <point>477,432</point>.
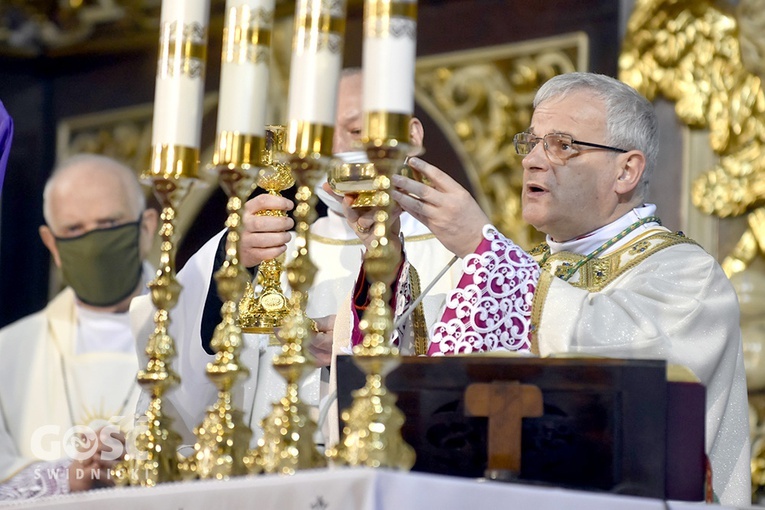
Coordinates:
<point>337,253</point>
<point>53,377</point>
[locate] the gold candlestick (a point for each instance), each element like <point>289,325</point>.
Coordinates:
<point>287,443</point>
<point>371,435</point>
<point>372,431</point>
<point>223,437</point>
<point>152,457</point>
<point>317,52</point>
<point>267,310</point>
<point>179,88</point>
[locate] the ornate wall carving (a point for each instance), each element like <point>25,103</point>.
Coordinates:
<point>707,57</point>
<point>691,53</point>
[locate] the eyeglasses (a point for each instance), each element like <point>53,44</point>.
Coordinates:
<point>557,145</point>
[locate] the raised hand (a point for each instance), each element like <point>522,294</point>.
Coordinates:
<point>361,219</point>
<point>445,207</point>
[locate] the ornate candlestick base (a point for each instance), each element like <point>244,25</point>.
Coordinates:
<point>152,445</point>
<point>287,443</point>
<point>372,431</point>
<point>223,438</point>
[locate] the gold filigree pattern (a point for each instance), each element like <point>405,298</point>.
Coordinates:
<point>183,50</point>
<point>704,59</point>
<point>480,99</point>
<point>597,273</point>
<point>247,35</point>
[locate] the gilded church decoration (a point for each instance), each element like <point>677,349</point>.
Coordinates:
<point>480,99</point>
<point>709,61</point>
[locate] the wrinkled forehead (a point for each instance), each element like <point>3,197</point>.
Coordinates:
<point>90,194</point>
<point>577,113</point>
<point>349,100</point>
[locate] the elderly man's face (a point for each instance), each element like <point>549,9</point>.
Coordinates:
<point>570,198</point>
<point>348,117</point>
<point>88,199</point>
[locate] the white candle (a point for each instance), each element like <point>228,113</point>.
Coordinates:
<point>317,59</point>
<point>245,67</point>
<point>388,55</point>
<point>180,74</point>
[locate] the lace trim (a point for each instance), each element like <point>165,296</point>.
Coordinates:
<point>491,307</point>
<point>38,480</point>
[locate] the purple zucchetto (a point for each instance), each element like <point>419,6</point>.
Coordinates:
<point>6,135</point>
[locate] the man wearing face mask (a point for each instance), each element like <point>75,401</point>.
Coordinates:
<point>335,249</point>
<point>69,370</point>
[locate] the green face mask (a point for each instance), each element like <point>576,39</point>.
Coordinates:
<point>103,266</point>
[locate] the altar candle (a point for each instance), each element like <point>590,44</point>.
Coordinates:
<point>317,59</point>
<point>243,96</point>
<point>177,123</point>
<point>388,63</point>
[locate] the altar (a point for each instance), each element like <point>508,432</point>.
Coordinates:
<point>349,489</point>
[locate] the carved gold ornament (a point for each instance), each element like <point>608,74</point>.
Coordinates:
<point>710,63</point>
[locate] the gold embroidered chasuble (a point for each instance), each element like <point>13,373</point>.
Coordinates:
<point>597,273</point>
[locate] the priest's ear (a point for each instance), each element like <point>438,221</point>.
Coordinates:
<point>149,220</point>
<point>416,133</point>
<point>49,240</point>
<point>631,166</point>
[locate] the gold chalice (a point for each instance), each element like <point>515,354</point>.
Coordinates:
<point>359,179</point>
<point>356,179</point>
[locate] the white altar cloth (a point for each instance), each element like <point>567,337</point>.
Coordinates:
<point>346,489</point>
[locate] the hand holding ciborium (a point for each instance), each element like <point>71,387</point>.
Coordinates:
<point>263,312</point>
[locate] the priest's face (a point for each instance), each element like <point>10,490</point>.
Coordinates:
<point>569,198</point>
<point>348,116</point>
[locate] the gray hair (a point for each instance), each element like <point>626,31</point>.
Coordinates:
<point>129,179</point>
<point>631,122</point>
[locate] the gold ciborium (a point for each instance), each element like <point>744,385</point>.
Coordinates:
<point>287,444</point>
<point>263,312</point>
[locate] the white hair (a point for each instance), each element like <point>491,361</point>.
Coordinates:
<point>131,186</point>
